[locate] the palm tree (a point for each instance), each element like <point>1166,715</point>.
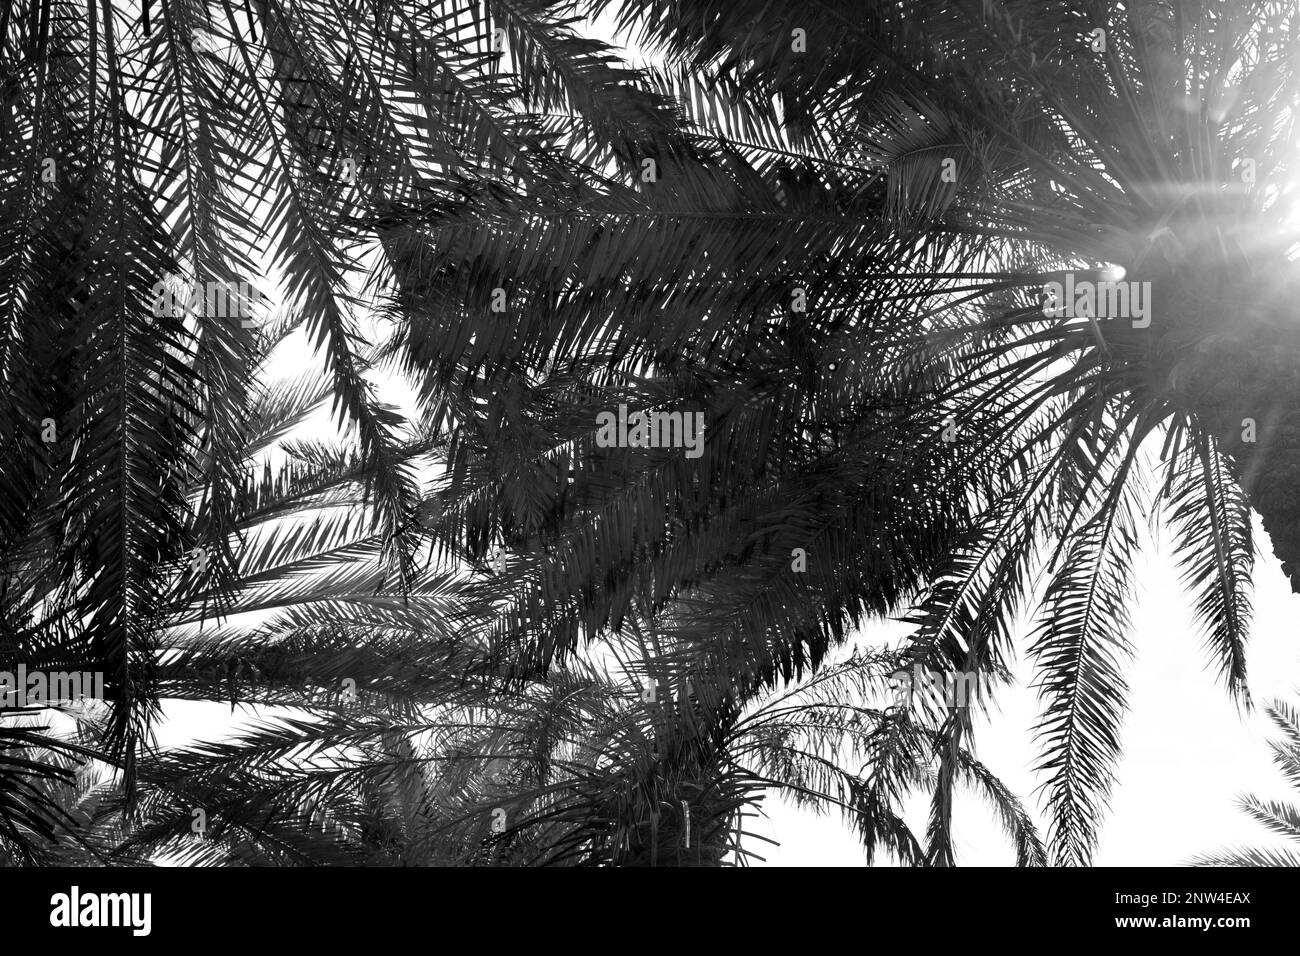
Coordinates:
<point>564,239</point>
<point>817,499</point>
<point>184,141</point>
<point>579,769</point>
<point>308,560</point>
<point>54,791</point>
<point>378,664</point>
<point>912,176</point>
<point>589,772</point>
<point>1281,818</point>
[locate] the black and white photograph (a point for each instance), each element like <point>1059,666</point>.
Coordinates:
<point>765,434</point>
